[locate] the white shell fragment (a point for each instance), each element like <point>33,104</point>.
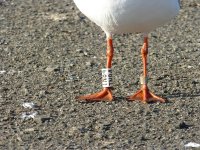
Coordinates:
<point>2,71</point>
<point>192,144</point>
<point>28,105</point>
<point>26,116</point>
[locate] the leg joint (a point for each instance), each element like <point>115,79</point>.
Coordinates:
<point>144,50</point>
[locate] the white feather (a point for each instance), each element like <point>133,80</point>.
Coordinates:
<point>128,16</point>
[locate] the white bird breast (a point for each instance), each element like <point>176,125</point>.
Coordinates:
<point>128,16</point>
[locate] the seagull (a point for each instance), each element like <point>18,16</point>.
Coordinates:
<point>121,17</point>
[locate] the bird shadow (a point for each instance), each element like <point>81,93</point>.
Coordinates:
<point>182,95</point>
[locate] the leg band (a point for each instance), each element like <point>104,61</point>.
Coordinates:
<point>143,80</point>
<point>106,77</point>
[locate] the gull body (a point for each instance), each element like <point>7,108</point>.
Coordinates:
<point>127,16</point>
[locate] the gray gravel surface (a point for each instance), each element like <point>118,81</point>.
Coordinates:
<point>50,53</point>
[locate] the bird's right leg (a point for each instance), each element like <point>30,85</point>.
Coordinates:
<point>105,94</point>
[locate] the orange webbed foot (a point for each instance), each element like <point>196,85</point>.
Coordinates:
<point>104,95</point>
<point>145,96</point>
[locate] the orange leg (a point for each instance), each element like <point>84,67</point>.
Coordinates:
<point>144,94</point>
<point>106,93</point>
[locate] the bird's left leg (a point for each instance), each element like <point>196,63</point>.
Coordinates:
<point>144,94</point>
